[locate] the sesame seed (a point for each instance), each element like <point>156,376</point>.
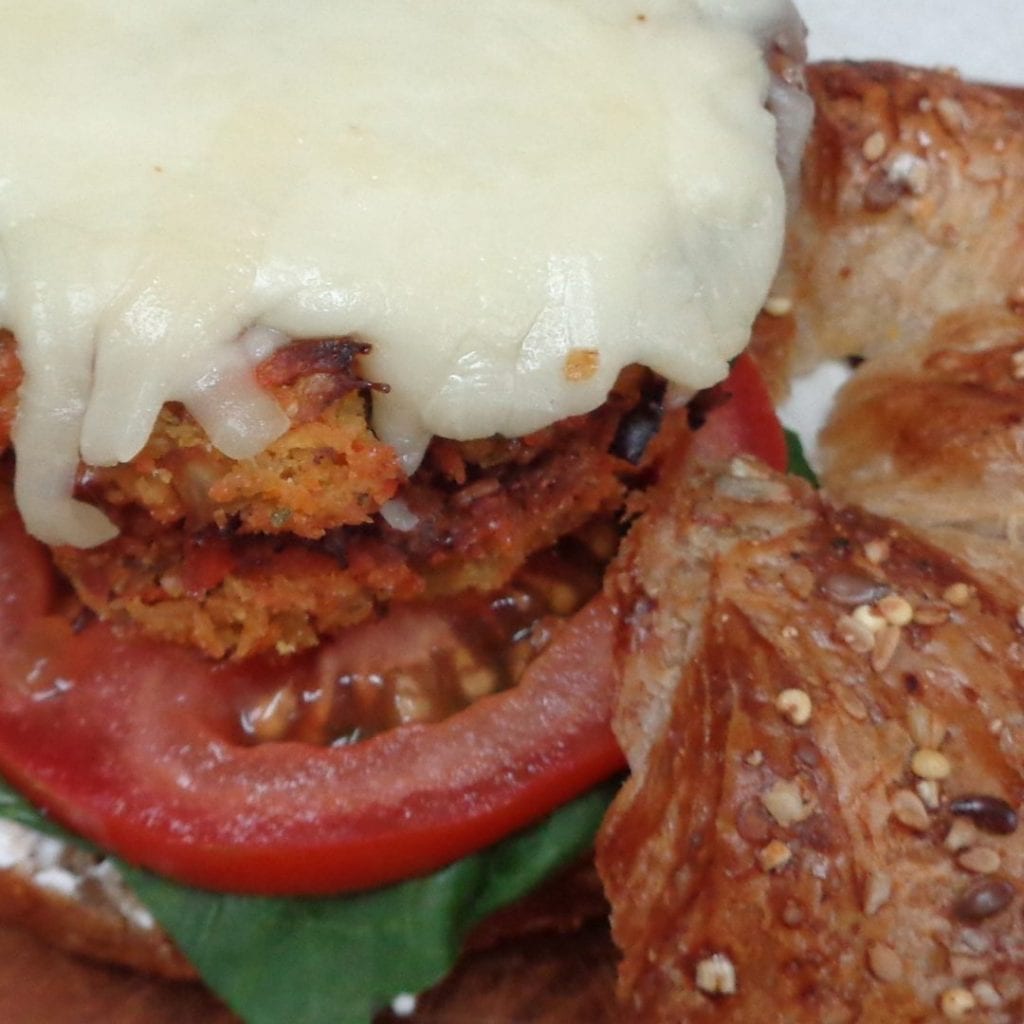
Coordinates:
<point>956,1003</point>
<point>980,860</point>
<point>867,616</point>
<point>930,764</point>
<point>744,469</point>
<point>795,706</point>
<point>960,836</point>
<point>874,147</point>
<point>1017,365</point>
<point>931,614</point>
<point>884,962</point>
<point>852,705</point>
<point>716,975</point>
<point>786,803</point>
<point>951,114</point>
<point>958,594</point>
<point>877,892</point>
<point>755,758</point>
<point>896,610</point>
<point>798,580</point>
<point>910,170</point>
<point>971,942</point>
<point>778,305</point>
<point>774,856</point>
<point>926,729</point>
<point>929,792</point>
<point>855,634</point>
<point>986,994</point>
<point>792,914</point>
<point>885,648</point>
<point>908,810</point>
<point>876,551</point>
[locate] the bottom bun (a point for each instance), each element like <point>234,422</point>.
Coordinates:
<point>77,946</point>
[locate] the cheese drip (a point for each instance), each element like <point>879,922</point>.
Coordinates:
<point>480,190</point>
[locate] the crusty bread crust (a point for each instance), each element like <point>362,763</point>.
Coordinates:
<point>932,434</point>
<point>822,715</point>
<point>911,198</point>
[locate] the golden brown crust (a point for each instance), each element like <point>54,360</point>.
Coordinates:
<point>932,434</point>
<point>783,836</point>
<point>912,200</point>
<point>327,470</point>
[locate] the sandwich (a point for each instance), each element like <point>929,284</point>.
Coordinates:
<point>335,350</point>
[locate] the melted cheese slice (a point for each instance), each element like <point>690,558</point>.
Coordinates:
<point>478,189</point>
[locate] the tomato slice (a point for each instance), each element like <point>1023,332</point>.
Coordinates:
<point>741,418</point>
<point>137,745</point>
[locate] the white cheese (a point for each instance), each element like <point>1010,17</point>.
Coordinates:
<point>477,189</point>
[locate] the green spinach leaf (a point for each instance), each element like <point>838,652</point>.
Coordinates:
<point>338,960</point>
<point>797,463</point>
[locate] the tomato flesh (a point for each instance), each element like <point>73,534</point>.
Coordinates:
<point>742,419</point>
<point>136,744</point>
<point>132,743</point>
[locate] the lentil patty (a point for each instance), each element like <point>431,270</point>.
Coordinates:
<point>274,552</point>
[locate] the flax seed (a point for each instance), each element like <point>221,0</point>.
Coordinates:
<point>990,813</point>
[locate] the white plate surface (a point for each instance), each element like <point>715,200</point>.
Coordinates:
<point>983,38</point>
